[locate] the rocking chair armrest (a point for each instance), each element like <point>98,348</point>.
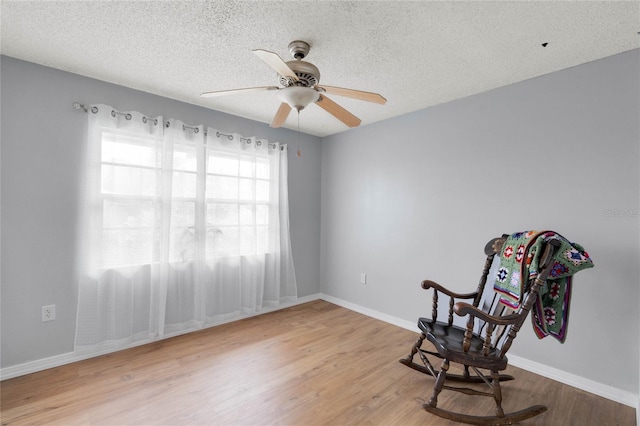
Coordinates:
<point>462,309</point>
<point>427,284</point>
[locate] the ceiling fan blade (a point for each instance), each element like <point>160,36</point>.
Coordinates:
<point>281,115</point>
<point>338,112</point>
<point>232,91</point>
<point>355,94</point>
<point>276,62</point>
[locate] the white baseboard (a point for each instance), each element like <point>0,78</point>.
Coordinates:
<point>37,365</point>
<point>587,385</point>
<point>605,391</point>
<point>582,383</point>
<point>370,312</point>
<point>70,357</point>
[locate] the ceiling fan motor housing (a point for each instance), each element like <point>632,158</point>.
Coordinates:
<point>308,74</point>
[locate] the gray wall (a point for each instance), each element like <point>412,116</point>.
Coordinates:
<point>402,200</point>
<point>417,197</point>
<point>43,139</point>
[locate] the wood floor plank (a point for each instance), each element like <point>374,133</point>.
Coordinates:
<point>311,364</point>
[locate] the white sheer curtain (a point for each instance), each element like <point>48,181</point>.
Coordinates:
<point>182,228</point>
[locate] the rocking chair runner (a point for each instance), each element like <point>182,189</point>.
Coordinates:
<point>490,330</point>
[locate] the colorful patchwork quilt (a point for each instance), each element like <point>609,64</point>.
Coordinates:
<point>519,263</point>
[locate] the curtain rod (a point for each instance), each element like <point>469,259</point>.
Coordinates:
<point>85,108</point>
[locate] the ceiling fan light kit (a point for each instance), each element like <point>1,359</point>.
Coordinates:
<point>298,97</point>
<point>300,87</point>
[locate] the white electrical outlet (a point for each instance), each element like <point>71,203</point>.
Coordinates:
<point>363,278</point>
<point>48,313</point>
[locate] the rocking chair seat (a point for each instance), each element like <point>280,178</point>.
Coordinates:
<point>448,340</point>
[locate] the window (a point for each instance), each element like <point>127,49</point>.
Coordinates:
<point>181,228</point>
<point>236,206</point>
<point>130,178</point>
<point>237,198</point>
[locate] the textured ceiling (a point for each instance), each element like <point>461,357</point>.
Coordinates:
<point>416,54</point>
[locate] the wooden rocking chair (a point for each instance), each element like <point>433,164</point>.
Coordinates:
<point>490,330</point>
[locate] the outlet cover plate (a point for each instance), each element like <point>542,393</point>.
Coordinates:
<point>48,313</point>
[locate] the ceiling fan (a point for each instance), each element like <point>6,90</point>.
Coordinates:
<point>300,86</point>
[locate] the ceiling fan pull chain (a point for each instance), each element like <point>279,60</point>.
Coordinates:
<point>299,153</point>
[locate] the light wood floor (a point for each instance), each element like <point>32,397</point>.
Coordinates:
<point>312,364</point>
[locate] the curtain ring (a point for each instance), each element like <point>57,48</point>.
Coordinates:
<point>258,143</point>
<point>195,129</point>
<point>94,109</point>
<point>218,134</point>
<point>126,115</point>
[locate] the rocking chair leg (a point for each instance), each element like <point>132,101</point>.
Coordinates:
<point>497,393</point>
<point>427,368</point>
<point>433,402</point>
<point>414,349</point>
